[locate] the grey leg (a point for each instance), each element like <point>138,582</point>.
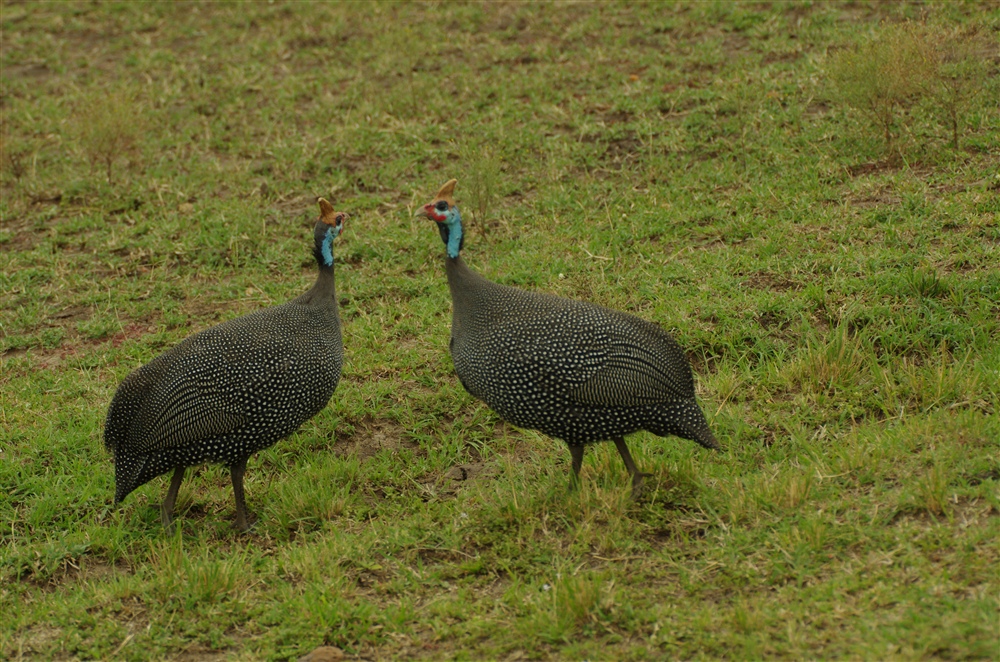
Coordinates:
<point>167,507</point>
<point>637,476</point>
<point>575,450</point>
<point>236,471</point>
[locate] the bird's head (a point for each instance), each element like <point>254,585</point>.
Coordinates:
<point>329,216</point>
<point>443,211</point>
<point>329,226</point>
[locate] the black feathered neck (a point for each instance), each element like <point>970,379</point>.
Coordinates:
<point>323,291</point>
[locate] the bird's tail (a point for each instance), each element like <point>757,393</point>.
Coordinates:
<point>685,419</point>
<point>127,474</point>
<point>697,427</point>
<point>705,437</point>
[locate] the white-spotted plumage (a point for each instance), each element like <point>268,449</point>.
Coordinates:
<point>574,370</point>
<point>231,390</point>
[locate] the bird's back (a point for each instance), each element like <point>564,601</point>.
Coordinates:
<point>572,369</point>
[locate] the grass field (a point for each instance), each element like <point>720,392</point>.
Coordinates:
<point>839,299</point>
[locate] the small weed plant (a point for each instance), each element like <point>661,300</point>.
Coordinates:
<point>110,128</point>
<point>908,66</point>
<point>962,58</point>
<point>884,76</point>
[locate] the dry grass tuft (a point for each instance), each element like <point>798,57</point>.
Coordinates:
<point>110,127</point>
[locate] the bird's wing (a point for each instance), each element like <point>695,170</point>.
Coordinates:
<point>208,390</point>
<point>219,380</point>
<point>578,351</point>
<point>629,379</point>
<point>188,406</point>
<point>637,363</point>
<point>193,425</point>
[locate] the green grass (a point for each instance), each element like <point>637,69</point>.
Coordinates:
<point>690,164</point>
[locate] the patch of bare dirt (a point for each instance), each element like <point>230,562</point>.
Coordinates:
<point>763,280</point>
<point>39,639</point>
<point>373,437</point>
<point>769,320</point>
<point>735,45</point>
<point>461,474</point>
<point>73,570</point>
<point>872,167</point>
<point>680,528</point>
<point>72,314</point>
<point>22,240</point>
<point>775,57</point>
<point>817,108</point>
<point>448,483</point>
<point>133,330</point>
<point>875,199</point>
<point>621,149</point>
<point>977,479</point>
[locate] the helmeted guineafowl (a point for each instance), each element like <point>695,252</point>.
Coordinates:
<point>571,369</point>
<point>231,390</point>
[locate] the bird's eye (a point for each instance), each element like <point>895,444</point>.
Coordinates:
<point>441,206</point>
<point>340,218</point>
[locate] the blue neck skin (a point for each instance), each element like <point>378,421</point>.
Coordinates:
<point>454,234</point>
<point>327,248</point>
<point>324,235</point>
